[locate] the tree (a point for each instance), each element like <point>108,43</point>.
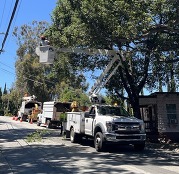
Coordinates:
<point>5,89</point>
<point>70,94</point>
<point>143,31</point>
<point>1,103</point>
<point>30,74</point>
<point>33,78</point>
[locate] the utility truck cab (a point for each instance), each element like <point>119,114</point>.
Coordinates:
<point>107,125</point>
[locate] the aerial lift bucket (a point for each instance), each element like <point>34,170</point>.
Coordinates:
<point>46,54</point>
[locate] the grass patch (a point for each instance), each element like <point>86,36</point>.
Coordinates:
<point>36,136</point>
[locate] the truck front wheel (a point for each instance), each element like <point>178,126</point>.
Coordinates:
<point>99,143</point>
<point>140,146</point>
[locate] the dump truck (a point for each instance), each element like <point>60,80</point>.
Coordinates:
<point>53,113</point>
<point>28,107</point>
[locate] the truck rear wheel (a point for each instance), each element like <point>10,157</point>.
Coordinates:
<point>99,143</point>
<point>24,118</point>
<point>38,123</point>
<point>49,124</point>
<point>28,120</point>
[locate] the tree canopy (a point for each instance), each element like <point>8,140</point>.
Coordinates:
<point>46,82</point>
<point>146,32</point>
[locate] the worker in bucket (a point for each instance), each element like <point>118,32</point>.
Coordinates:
<point>44,41</point>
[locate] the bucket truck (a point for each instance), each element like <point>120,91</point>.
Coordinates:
<point>105,124</point>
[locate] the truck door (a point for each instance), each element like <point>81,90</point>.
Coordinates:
<point>89,121</point>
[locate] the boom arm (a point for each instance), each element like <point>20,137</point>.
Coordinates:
<point>88,51</point>
<point>47,54</point>
<point>100,83</point>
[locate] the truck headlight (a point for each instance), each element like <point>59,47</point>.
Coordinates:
<point>142,127</point>
<point>109,126</point>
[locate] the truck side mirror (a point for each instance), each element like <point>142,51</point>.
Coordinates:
<point>86,114</point>
<point>92,115</point>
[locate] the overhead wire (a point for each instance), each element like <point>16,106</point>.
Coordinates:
<point>89,77</point>
<point>24,77</point>
<point>9,25</point>
<point>6,34</point>
<point>6,71</point>
<point>9,13</point>
<point>6,65</point>
<point>14,20</point>
<point>2,13</point>
<point>24,74</point>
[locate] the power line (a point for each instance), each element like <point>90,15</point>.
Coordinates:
<point>27,78</point>
<point>6,65</point>
<point>7,31</point>
<point>23,77</point>
<point>14,20</point>
<point>2,13</point>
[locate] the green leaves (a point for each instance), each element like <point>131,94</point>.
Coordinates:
<point>141,29</point>
<point>36,136</point>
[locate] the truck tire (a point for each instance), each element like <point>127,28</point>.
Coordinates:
<point>28,120</point>
<point>67,134</point>
<point>99,143</point>
<point>140,146</point>
<point>73,136</point>
<point>49,124</point>
<point>38,123</point>
<point>24,118</point>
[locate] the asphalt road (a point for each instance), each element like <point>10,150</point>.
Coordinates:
<point>56,155</point>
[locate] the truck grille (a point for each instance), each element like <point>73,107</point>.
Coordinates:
<point>128,137</point>
<point>126,128</point>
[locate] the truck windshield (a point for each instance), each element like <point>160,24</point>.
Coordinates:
<point>112,111</point>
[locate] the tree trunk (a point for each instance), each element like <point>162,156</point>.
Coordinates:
<point>136,107</point>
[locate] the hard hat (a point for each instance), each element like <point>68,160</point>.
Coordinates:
<point>36,106</point>
<point>115,104</point>
<point>42,37</point>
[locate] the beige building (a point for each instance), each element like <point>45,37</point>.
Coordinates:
<point>160,112</point>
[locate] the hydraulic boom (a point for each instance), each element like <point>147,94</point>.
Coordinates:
<point>47,54</point>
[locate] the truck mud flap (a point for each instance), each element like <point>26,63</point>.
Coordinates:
<point>67,134</point>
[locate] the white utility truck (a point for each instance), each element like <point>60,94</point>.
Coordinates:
<point>104,123</point>
<point>51,113</point>
<point>28,103</point>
